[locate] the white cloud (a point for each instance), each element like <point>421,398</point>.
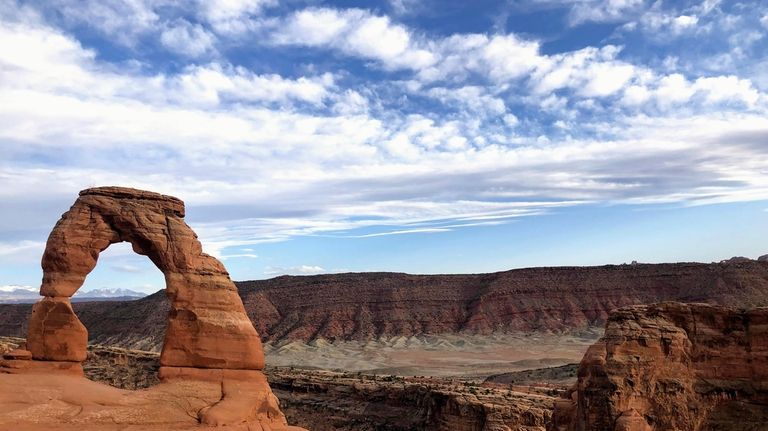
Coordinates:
<point>21,247</point>
<point>684,22</point>
<point>727,89</point>
<point>474,99</point>
<point>187,39</point>
<point>604,79</point>
<point>635,95</point>
<point>239,256</point>
<point>663,25</point>
<point>406,231</point>
<point>674,90</point>
<point>350,102</point>
<point>507,57</point>
<point>511,120</point>
<point>295,270</point>
<point>211,83</point>
<point>591,72</point>
<point>498,57</point>
<point>603,10</point>
<point>55,63</point>
<point>354,32</point>
<point>407,7</point>
<point>123,21</point>
<point>232,16</point>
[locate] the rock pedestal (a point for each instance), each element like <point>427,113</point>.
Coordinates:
<point>209,336</point>
<point>672,366</point>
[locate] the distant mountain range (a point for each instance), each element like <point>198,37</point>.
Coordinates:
<point>15,294</point>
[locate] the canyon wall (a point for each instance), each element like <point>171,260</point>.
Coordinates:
<point>363,306</point>
<point>350,402</point>
<point>673,366</point>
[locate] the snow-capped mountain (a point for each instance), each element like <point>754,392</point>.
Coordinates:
<point>14,293</point>
<point>17,294</point>
<point>109,293</point>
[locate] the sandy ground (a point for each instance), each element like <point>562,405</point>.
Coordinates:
<point>472,356</point>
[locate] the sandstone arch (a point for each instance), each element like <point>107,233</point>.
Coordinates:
<point>209,337</point>
<point>207,326</point>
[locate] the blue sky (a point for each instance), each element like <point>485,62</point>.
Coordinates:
<point>417,136</point>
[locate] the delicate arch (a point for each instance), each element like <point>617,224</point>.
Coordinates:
<point>207,324</point>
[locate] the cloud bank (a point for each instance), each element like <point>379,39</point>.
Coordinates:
<point>381,125</point>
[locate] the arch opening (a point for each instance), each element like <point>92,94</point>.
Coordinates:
<point>121,273</point>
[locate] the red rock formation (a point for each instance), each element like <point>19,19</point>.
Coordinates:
<point>209,336</point>
<point>55,333</point>
<point>673,366</point>
<point>207,325</point>
<point>370,305</point>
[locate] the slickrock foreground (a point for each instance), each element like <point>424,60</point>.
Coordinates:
<point>333,401</point>
<point>211,358</point>
<point>673,366</point>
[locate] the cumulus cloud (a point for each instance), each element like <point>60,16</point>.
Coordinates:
<point>663,25</point>
<point>591,72</point>
<point>122,21</point>
<point>498,57</point>
<point>354,32</point>
<point>675,89</point>
<point>184,38</point>
<point>474,98</point>
<point>215,83</point>
<point>232,16</point>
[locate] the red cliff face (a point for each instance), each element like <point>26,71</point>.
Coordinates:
<point>673,366</point>
<point>369,305</point>
<point>365,306</point>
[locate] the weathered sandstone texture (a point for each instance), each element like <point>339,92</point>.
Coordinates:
<point>209,337</point>
<point>673,366</point>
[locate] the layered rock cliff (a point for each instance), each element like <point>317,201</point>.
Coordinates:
<point>673,366</point>
<point>363,306</point>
